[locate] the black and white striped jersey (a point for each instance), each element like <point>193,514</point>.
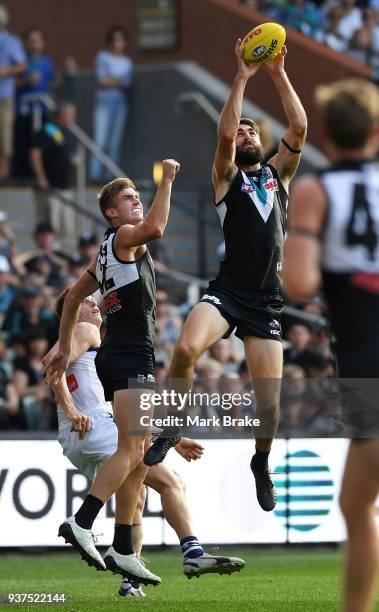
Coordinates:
<point>253,217</point>
<point>128,291</point>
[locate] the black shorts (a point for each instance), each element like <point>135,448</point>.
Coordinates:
<point>250,313</point>
<point>123,367</point>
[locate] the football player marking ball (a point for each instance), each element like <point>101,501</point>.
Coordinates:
<point>263,42</point>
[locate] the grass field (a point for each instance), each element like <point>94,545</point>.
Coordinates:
<point>274,580</point>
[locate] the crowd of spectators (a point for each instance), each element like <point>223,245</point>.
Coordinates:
<point>27,70</point>
<point>348,26</point>
<point>29,284</point>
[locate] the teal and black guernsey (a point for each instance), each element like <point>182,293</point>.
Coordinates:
<point>253,216</point>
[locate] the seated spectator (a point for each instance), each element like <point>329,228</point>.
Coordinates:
<point>10,415</point>
<point>88,247</point>
<point>299,337</point>
<point>27,314</point>
<point>7,291</point>
<point>28,378</point>
<point>332,37</point>
<point>36,79</point>
<point>365,40</point>
<point>53,160</point>
<point>12,63</point>
<point>114,75</point>
<point>46,251</point>
<point>222,352</point>
<point>7,238</point>
<point>351,19</point>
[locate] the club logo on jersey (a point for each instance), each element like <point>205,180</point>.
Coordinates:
<point>142,379</point>
<point>211,298</point>
<point>247,188</point>
<point>72,383</point>
<point>112,303</point>
<point>275,327</point>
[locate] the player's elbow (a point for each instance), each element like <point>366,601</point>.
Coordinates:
<point>300,128</point>
<point>156,231</point>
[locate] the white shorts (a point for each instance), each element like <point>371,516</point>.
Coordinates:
<point>89,454</point>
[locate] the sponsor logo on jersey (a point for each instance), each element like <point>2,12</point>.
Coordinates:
<point>272,185</point>
<point>112,303</point>
<point>72,383</point>
<point>211,298</point>
<point>275,332</point>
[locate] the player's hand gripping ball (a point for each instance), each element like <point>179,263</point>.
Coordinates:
<point>263,42</point>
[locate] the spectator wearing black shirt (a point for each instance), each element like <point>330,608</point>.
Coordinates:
<point>27,314</point>
<point>53,160</point>
<point>10,415</point>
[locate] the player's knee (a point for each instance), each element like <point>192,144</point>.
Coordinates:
<point>186,352</point>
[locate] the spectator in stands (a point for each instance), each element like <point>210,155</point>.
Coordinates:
<point>27,314</point>
<point>88,247</point>
<point>168,323</point>
<point>12,63</point>
<point>7,237</point>
<point>114,75</point>
<point>7,291</point>
<point>222,352</point>
<point>46,251</point>
<point>10,416</point>
<point>299,337</point>
<point>351,19</point>
<point>53,160</point>
<point>28,378</point>
<point>332,37</point>
<point>365,40</point>
<point>37,79</point>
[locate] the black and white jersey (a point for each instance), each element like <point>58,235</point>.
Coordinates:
<point>128,291</point>
<point>350,254</point>
<point>253,217</point>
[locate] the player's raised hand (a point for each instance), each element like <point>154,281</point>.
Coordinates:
<point>243,69</point>
<point>189,449</point>
<point>81,424</point>
<point>55,363</point>
<point>275,65</point>
<point>170,168</point>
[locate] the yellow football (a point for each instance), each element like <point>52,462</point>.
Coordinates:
<point>263,42</point>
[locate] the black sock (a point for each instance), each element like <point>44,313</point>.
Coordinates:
<point>260,459</point>
<point>122,541</point>
<point>88,511</point>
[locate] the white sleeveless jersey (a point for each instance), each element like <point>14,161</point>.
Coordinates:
<point>85,387</point>
<point>351,233</point>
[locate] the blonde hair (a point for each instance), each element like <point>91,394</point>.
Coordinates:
<point>350,110</point>
<point>109,191</point>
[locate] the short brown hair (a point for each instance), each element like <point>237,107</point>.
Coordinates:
<point>252,124</point>
<point>60,301</point>
<point>109,191</point>
<point>350,110</point>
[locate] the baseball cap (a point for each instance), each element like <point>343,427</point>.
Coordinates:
<point>4,264</point>
<point>87,237</point>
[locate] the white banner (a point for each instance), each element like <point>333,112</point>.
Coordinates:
<point>39,488</point>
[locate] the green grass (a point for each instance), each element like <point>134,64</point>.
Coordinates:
<point>283,580</point>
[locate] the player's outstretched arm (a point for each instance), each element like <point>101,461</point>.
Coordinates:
<point>55,364</point>
<point>224,168</point>
<point>155,222</point>
<point>302,249</point>
<point>287,159</point>
<point>79,422</point>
